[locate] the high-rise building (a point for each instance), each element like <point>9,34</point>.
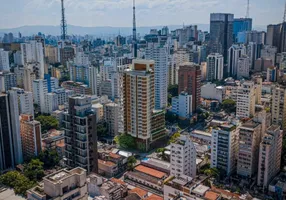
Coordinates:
<point>139,104</point>
<point>180,56</point>
<point>111,115</point>
<point>33,52</point>
<point>190,82</point>
<point>276,36</point>
<point>183,157</point>
<point>253,52</point>
<point>271,74</point>
<point>269,155</point>
<point>25,99</point>
<point>65,52</point>
<point>80,134</point>
<point>30,131</point>
<point>182,105</point>
<point>221,33</point>
<point>269,52</point>
<point>10,147</point>
<point>214,67</point>
<point>241,25</point>
<point>257,37</point>
<point>7,81</point>
<point>4,60</point>
<point>248,150</point>
<point>224,147</point>
<point>40,89</point>
<point>51,103</point>
<point>159,53</point>
<point>85,74</point>
<point>243,67</point>
<point>51,54</point>
<point>278,109</point>
<point>28,77</point>
<point>245,102</point>
<point>234,53</point>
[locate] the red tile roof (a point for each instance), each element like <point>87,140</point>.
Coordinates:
<point>113,155</point>
<point>139,192</point>
<point>150,171</point>
<point>210,195</point>
<point>107,163</point>
<point>115,180</point>
<point>154,197</point>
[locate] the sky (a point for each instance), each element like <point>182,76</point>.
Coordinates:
<point>118,13</point>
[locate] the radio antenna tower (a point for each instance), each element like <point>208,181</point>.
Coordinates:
<point>63,23</point>
<point>247,10</point>
<point>134,32</point>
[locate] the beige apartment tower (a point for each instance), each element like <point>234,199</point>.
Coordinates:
<point>139,102</point>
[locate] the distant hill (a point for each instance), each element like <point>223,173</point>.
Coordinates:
<point>96,31</point>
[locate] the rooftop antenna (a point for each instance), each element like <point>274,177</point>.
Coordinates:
<point>247,10</point>
<point>63,22</point>
<point>134,32</point>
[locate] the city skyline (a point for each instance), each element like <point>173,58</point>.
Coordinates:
<point>149,13</point>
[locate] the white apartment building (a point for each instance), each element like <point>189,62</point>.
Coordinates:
<point>245,103</point>
<point>40,89</point>
<point>4,60</point>
<point>159,54</point>
<point>25,99</point>
<point>61,185</point>
<point>111,115</point>
<point>214,67</point>
<point>51,103</point>
<point>63,95</point>
<point>211,91</point>
<point>225,147</point>
<point>183,157</point>
<point>269,52</point>
<point>182,105</point>
<point>84,73</point>
<point>243,67</point>
<point>269,155</point>
<point>234,53</point>
<point>33,52</point>
<point>18,58</point>
<point>248,149</point>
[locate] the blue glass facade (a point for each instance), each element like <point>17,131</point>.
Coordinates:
<point>241,25</point>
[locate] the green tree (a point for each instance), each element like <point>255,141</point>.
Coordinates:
<point>48,122</point>
<point>49,158</point>
<point>17,181</point>
<point>125,141</point>
<point>102,130</point>
<point>173,90</point>
<point>34,170</point>
<point>171,117</point>
<point>229,105</point>
<point>212,172</point>
<point>131,161</point>
<point>174,138</point>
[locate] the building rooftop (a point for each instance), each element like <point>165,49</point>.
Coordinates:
<point>115,180</point>
<point>63,174</point>
<point>113,155</point>
<point>139,192</point>
<point>107,163</point>
<point>150,171</point>
<point>201,190</point>
<point>157,163</point>
<point>273,127</point>
<point>210,195</point>
<point>154,197</point>
<point>249,125</point>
